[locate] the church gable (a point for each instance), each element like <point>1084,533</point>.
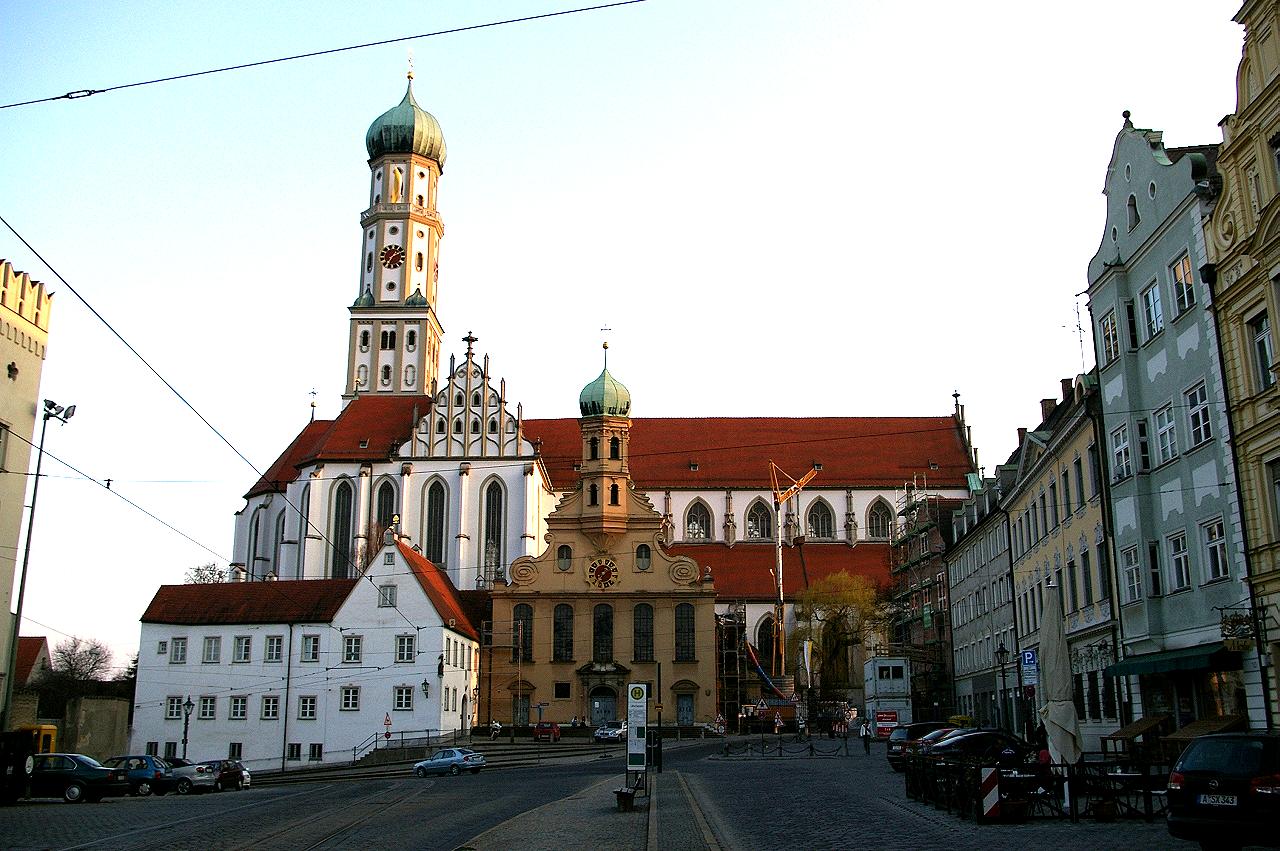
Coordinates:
<point>470,416</point>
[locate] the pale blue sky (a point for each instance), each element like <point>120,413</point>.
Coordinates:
<point>809,208</point>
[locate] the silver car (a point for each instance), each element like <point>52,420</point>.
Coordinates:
<point>190,777</point>
<point>450,761</point>
<point>611,731</point>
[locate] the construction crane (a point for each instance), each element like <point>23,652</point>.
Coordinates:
<point>781,493</point>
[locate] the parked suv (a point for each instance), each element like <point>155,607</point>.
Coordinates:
<point>1224,791</point>
<point>548,730</point>
<point>904,734</point>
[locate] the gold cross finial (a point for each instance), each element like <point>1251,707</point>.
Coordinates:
<point>411,63</point>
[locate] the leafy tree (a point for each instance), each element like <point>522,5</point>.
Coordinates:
<point>839,613</point>
<point>205,574</point>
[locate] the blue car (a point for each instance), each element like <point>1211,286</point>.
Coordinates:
<point>450,761</point>
<point>147,774</point>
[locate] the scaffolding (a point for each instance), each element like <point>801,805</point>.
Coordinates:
<point>731,667</point>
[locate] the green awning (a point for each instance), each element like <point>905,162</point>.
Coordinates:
<point>1206,657</point>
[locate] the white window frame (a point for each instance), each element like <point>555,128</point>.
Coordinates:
<point>177,651</point>
<point>310,649</point>
<point>402,699</point>
<point>271,707</point>
<point>307,705</point>
<point>243,651</point>
<point>239,708</point>
<point>1184,293</point>
<point>273,650</point>
<point>1179,562</point>
<point>212,650</point>
<point>1110,333</point>
<point>1152,311</point>
<point>352,649</point>
<point>350,699</point>
<point>1166,435</point>
<point>1132,566</point>
<point>208,708</point>
<point>386,596</point>
<point>1213,534</point>
<point>173,708</point>
<point>406,648</point>
<point>1122,459</point>
<point>1260,349</point>
<point>1198,414</point>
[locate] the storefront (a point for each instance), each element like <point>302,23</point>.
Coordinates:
<point>1187,684</point>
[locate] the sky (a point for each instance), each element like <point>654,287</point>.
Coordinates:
<point>816,208</point>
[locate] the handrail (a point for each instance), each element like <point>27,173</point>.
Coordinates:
<point>427,737</point>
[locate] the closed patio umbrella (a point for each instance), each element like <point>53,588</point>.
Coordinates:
<point>1059,712</point>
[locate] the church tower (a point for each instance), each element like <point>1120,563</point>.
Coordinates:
<point>394,344</point>
<point>605,404</point>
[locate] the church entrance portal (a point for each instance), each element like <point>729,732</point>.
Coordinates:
<point>604,705</point>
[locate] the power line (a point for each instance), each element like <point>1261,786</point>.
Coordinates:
<point>84,93</point>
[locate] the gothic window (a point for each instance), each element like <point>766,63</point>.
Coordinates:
<point>821,523</point>
<point>562,634</point>
<point>304,525</point>
<point>475,400</point>
<point>522,633</point>
<point>340,561</point>
<point>475,426</point>
<point>251,556</point>
<point>642,632</point>
<point>615,449</point>
<point>879,520</point>
<point>278,544</point>
<point>493,426</point>
<point>759,522</point>
<point>457,426</point>
<point>386,506</point>
<point>435,524</point>
<point>593,495</point>
<point>564,557</point>
<point>493,522</point>
<point>764,642</point>
<point>594,448</point>
<point>684,633</point>
<point>644,557</point>
<point>613,494</point>
<point>697,523</point>
<point>457,399</point>
<point>602,634</point>
<point>441,428</point>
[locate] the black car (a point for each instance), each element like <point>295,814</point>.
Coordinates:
<point>988,746</point>
<point>904,734</point>
<point>75,777</point>
<point>1224,791</point>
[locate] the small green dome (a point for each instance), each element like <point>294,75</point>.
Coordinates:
<point>606,396</point>
<point>365,299</point>
<point>416,300</point>
<point>406,129</point>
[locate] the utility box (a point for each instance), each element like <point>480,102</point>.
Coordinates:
<point>887,683</point>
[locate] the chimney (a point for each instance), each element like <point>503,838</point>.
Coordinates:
<point>1046,408</point>
<point>1022,436</point>
<point>1067,390</point>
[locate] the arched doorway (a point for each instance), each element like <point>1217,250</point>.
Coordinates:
<point>604,705</point>
<point>466,718</point>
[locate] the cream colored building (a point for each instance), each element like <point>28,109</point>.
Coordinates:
<point>1244,247</point>
<point>606,603</point>
<point>24,337</point>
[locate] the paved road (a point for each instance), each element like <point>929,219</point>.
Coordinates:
<point>702,802</point>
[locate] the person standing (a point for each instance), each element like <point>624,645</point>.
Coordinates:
<point>865,735</point>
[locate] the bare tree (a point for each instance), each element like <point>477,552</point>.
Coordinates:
<point>205,574</point>
<point>79,660</point>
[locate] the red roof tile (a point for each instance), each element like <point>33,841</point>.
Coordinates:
<point>285,601</point>
<point>440,591</point>
<point>285,468</point>
<point>745,571</point>
<point>734,452</point>
<point>29,648</point>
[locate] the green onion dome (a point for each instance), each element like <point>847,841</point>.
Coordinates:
<point>406,129</point>
<point>606,396</point>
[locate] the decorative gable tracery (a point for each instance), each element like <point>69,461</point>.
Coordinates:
<point>470,417</point>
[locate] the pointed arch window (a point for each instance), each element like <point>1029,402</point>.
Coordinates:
<point>522,633</point>
<point>457,399</point>
<point>684,633</point>
<point>821,523</point>
<point>879,521</point>
<point>304,527</point>
<point>386,505</point>
<point>340,557</point>
<point>759,522</point>
<point>441,428</point>
<point>642,632</point>
<point>457,426</point>
<point>475,400</point>
<point>435,524</point>
<point>602,633</point>
<point>493,425</point>
<point>277,544</point>
<point>493,523</point>
<point>564,557</point>
<point>615,449</point>
<point>697,523</point>
<point>562,634</point>
<point>475,425</point>
<point>764,642</point>
<point>613,494</point>
<point>251,557</point>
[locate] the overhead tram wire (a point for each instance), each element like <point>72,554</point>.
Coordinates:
<point>84,93</point>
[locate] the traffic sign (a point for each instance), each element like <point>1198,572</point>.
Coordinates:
<point>387,721</point>
<point>762,706</point>
<point>794,698</point>
<point>1028,658</point>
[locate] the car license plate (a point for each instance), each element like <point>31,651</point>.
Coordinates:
<point>1217,800</point>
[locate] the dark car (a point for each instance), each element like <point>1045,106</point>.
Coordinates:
<point>227,773</point>
<point>988,746</point>
<point>74,777</point>
<point>146,773</point>
<point>1224,791</point>
<point>548,730</point>
<point>904,734</point>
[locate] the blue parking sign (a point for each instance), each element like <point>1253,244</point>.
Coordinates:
<point>1028,658</point>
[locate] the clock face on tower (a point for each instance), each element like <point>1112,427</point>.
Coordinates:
<point>391,256</point>
<point>602,572</point>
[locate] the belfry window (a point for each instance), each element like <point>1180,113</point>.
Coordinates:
<point>564,557</point>
<point>593,497</point>
<point>615,449</point>
<point>613,494</point>
<point>364,340</point>
<point>411,339</point>
<point>417,260</point>
<point>594,446</point>
<point>386,375</point>
<point>388,341</point>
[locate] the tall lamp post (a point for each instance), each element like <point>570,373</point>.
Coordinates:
<point>186,723</point>
<point>52,411</point>
<point>1002,659</point>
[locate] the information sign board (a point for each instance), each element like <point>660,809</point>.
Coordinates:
<point>637,725</point>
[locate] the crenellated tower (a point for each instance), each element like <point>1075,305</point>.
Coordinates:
<point>394,344</point>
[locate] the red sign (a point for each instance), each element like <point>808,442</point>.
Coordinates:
<point>889,716</point>
<point>386,735</point>
<point>1029,692</point>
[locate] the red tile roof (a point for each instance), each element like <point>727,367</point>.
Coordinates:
<point>285,468</point>
<point>439,590</point>
<point>285,601</point>
<point>745,571</point>
<point>730,452</point>
<point>29,648</point>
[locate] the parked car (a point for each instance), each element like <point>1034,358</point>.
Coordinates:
<point>1224,791</point>
<point>191,776</point>
<point>227,774</point>
<point>450,761</point>
<point>611,731</point>
<point>903,734</point>
<point>989,746</point>
<point>922,744</point>
<point>147,774</point>
<point>75,777</point>
<point>548,730</point>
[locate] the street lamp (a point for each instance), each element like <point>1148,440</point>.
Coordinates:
<point>1002,658</point>
<point>186,723</point>
<point>52,411</point>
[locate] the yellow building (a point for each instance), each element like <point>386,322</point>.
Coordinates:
<point>606,603</point>
<point>1244,246</point>
<point>24,336</point>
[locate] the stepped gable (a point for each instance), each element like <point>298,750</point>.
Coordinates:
<point>283,601</point>
<point>732,452</point>
<point>745,572</point>
<point>439,590</point>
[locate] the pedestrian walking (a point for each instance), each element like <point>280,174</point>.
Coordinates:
<point>495,729</point>
<point>865,734</point>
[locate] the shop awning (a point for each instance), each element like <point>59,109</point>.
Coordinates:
<point>1205,726</point>
<point>1206,657</point>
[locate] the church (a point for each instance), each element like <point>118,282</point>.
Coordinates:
<point>536,527</point>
